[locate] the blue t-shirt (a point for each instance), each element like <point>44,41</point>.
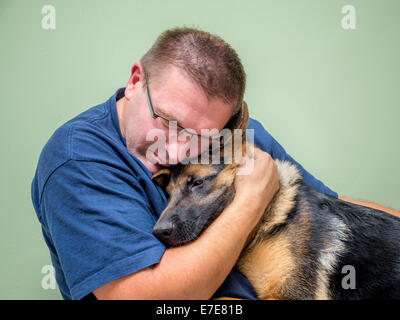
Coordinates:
<point>97,204</point>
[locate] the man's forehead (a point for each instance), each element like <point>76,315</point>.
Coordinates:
<point>179,99</point>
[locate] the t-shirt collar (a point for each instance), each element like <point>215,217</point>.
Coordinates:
<point>112,103</point>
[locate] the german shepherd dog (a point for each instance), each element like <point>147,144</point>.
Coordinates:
<point>305,242</point>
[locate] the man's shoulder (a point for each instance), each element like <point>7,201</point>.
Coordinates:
<point>88,136</point>
<point>262,138</point>
<point>62,145</point>
<point>253,124</point>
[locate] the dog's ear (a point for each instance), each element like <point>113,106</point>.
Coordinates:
<point>240,119</point>
<point>232,146</point>
<point>162,177</point>
<point>226,145</point>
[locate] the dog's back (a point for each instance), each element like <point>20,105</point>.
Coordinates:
<point>318,239</point>
<point>371,246</point>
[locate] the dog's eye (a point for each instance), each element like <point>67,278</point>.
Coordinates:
<point>197,182</point>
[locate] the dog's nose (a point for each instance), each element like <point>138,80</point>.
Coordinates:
<point>163,230</point>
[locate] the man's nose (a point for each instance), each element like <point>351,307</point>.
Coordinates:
<point>176,150</point>
<point>163,230</point>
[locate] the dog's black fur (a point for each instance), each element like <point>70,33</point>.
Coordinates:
<point>372,246</point>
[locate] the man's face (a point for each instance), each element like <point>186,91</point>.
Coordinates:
<point>176,97</point>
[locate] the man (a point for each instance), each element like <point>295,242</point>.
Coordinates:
<point>97,204</point>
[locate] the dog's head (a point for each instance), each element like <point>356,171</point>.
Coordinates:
<point>197,193</point>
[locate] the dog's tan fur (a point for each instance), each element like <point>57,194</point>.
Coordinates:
<point>269,264</point>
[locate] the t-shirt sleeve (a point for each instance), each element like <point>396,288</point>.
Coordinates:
<point>267,143</point>
<point>100,224</point>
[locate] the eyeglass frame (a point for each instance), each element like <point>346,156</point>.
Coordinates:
<point>182,129</point>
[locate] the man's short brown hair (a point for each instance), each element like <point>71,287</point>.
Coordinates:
<point>208,60</point>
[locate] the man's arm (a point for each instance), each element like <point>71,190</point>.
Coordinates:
<point>193,271</point>
<point>197,269</point>
<point>371,205</point>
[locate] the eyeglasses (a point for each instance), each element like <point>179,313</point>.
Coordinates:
<point>175,126</point>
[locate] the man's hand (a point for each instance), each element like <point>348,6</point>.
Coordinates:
<point>257,187</point>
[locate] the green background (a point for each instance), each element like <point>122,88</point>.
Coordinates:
<point>330,96</point>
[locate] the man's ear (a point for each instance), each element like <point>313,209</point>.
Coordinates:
<point>162,177</point>
<point>136,78</point>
